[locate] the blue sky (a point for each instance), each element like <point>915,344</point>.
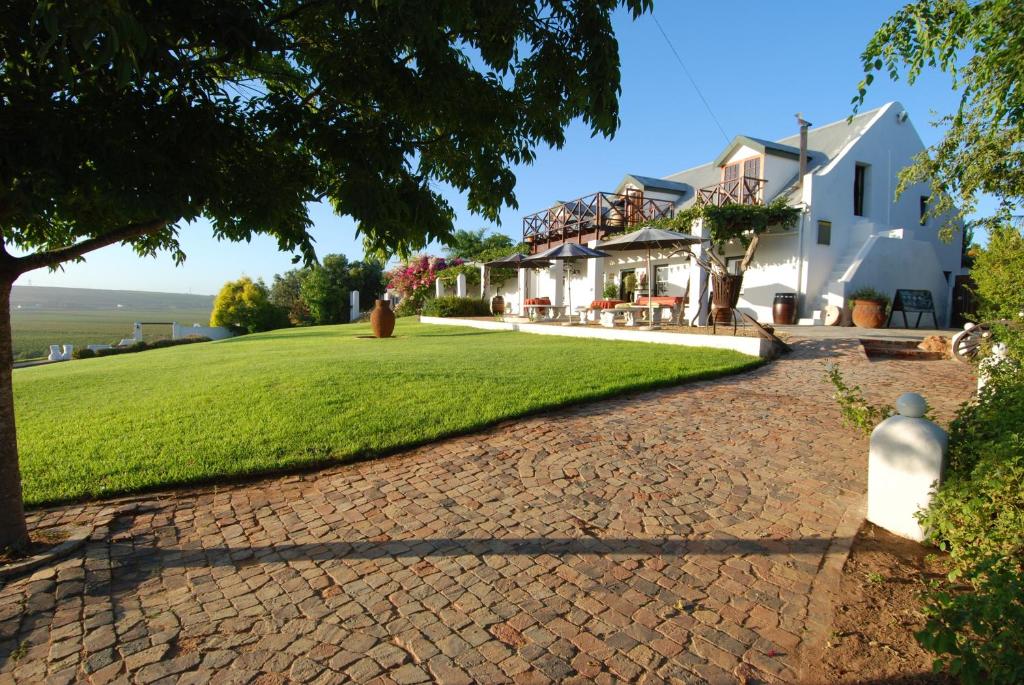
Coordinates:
<point>756,63</point>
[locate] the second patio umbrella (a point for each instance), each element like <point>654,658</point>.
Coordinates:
<point>570,252</point>
<point>518,261</point>
<point>648,238</point>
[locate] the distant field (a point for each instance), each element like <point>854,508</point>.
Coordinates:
<point>36,330</point>
<point>44,316</point>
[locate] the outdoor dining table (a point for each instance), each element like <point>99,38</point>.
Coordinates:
<point>630,315</point>
<point>543,311</point>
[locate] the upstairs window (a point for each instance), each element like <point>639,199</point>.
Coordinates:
<point>924,209</point>
<point>860,177</point>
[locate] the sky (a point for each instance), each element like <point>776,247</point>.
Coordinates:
<point>756,63</point>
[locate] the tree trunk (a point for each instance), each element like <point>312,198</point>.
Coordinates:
<point>13,533</point>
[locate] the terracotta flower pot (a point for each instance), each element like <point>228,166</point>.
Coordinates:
<point>382,319</point>
<point>868,313</point>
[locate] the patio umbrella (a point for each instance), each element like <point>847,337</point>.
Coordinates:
<point>650,238</point>
<point>518,261</point>
<point>570,252</point>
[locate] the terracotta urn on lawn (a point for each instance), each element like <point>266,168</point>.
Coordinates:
<point>869,313</point>
<point>382,319</point>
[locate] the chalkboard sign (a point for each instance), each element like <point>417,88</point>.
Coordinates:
<point>913,301</point>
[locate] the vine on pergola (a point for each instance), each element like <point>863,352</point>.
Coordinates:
<point>730,222</point>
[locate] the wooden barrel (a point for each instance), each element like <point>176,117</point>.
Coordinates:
<point>784,309</point>
<point>497,305</point>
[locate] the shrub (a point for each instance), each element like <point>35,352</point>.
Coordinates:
<point>84,353</point>
<point>977,515</point>
<point>996,273</point>
<point>869,294</point>
<point>140,346</point>
<point>611,291</point>
<point>456,306</point>
<point>407,307</point>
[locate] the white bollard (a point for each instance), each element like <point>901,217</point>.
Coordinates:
<point>68,350</point>
<point>907,456</point>
<point>438,288</point>
<point>55,353</point>
<point>353,305</point>
<point>460,285</point>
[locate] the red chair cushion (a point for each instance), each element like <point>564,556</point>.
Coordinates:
<point>604,304</point>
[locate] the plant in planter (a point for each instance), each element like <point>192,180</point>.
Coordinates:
<point>611,290</point>
<point>629,284</point>
<point>869,307</point>
<point>731,224</point>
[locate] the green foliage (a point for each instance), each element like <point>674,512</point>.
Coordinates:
<point>977,515</point>
<point>139,346</point>
<point>451,274</point>
<point>449,306</point>
<point>734,221</point>
<point>980,44</point>
<point>302,396</point>
<point>997,273</point>
<point>473,245</point>
<point>856,410</point>
<point>286,293</point>
<point>368,105</point>
<point>244,305</point>
<point>980,634</point>
<point>84,353</point>
<point>611,291</point>
<point>408,307</point>
<point>869,294</point>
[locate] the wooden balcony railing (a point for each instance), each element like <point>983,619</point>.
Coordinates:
<point>745,190</point>
<point>592,217</point>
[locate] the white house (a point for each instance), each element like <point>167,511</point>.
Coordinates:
<point>853,231</point>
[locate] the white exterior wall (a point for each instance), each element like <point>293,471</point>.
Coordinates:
<point>792,261</point>
<point>886,146</point>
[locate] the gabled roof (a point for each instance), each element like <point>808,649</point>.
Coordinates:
<point>763,146</point>
<point>651,183</point>
<point>824,143</point>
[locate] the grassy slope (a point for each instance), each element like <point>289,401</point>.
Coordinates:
<point>287,398</point>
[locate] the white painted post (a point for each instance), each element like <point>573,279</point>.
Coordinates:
<point>68,351</point>
<point>906,458</point>
<point>137,332</point>
<point>521,277</point>
<point>557,274</point>
<point>460,285</point>
<point>353,305</point>
<point>438,288</point>
<point>484,272</point>
<point>699,304</point>
<point>56,354</point>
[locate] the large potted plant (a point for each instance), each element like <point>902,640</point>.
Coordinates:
<point>868,307</point>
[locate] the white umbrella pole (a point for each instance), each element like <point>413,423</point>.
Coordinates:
<point>650,291</point>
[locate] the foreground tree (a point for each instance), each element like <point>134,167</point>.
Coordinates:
<point>980,44</point>
<point>123,119</point>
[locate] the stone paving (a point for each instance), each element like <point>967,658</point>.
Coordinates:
<point>691,534</point>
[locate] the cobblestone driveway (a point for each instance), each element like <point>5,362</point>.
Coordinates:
<point>689,534</point>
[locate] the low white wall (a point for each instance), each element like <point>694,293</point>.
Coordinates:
<point>213,332</point>
<point>755,346</point>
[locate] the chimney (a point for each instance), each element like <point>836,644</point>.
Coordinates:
<point>804,125</point>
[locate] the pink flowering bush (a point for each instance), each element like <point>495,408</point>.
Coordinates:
<point>414,279</point>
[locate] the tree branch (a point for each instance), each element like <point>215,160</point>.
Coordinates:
<point>62,254</point>
<point>748,256</point>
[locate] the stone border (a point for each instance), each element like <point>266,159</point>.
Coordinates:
<point>753,346</point>
<point>825,591</point>
<point>78,536</point>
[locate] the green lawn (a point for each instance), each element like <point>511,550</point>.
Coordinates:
<point>278,400</point>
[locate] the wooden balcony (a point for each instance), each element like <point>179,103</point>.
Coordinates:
<point>592,217</point>
<point>745,190</point>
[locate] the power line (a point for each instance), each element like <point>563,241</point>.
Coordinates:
<point>687,72</point>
